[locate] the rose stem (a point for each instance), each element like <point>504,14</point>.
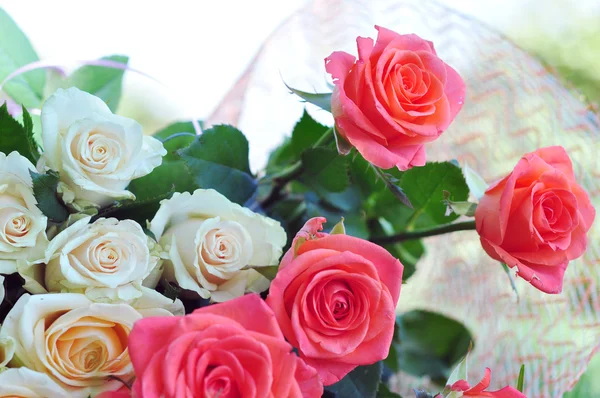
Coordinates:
<point>425,232</point>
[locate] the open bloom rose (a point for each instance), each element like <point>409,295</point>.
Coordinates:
<point>76,342</point>
<point>233,349</point>
<point>25,383</point>
<point>395,98</point>
<point>335,298</point>
<point>536,218</point>
<point>211,242</point>
<point>461,388</point>
<point>96,152</point>
<point>22,224</point>
<point>107,260</point>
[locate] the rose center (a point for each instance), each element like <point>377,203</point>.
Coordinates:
<point>108,256</point>
<point>341,306</point>
<point>90,348</point>
<point>91,358</point>
<point>17,227</point>
<point>97,153</point>
<point>407,83</point>
<point>218,383</point>
<point>549,213</point>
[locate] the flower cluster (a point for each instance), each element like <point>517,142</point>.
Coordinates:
<point>113,236</point>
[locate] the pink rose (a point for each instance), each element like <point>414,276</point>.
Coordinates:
<point>536,218</point>
<point>232,349</point>
<point>478,390</point>
<point>335,299</point>
<point>398,96</point>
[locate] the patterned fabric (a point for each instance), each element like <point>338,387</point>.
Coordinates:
<point>513,106</point>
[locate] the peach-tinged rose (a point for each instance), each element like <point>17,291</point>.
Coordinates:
<point>22,224</point>
<point>25,383</point>
<point>461,388</point>
<point>233,349</point>
<point>211,242</point>
<point>335,298</point>
<point>96,152</point>
<point>78,343</point>
<point>537,218</point>
<point>396,97</point>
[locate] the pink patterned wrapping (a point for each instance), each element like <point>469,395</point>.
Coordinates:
<point>513,106</point>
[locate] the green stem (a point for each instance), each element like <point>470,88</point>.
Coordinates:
<point>425,232</point>
<point>281,179</point>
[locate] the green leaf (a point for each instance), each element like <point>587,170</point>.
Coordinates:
<point>306,133</point>
<point>362,382</point>
<point>521,379</point>
<point>460,372</point>
<point>460,208</point>
<point>475,182</point>
<point>17,137</point>
<point>391,183</point>
<point>16,51</point>
<point>269,272</point>
<point>44,191</point>
<point>281,157</point>
<point>408,252</point>
<point>151,189</point>
<point>338,229</point>
<point>384,392</point>
<point>365,177</point>
<point>430,344</point>
<point>322,100</point>
<point>391,361</point>
<point>101,81</point>
<point>176,136</point>
<point>218,159</point>
<point>324,168</point>
<point>425,188</point>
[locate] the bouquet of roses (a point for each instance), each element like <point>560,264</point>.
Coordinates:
<point>160,266</point>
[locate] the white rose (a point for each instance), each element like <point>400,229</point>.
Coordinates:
<point>107,260</point>
<point>211,242</point>
<point>22,224</point>
<point>96,152</point>
<point>80,344</point>
<point>25,383</point>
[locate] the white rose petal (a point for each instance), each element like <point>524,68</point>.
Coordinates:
<point>22,224</point>
<point>77,342</point>
<point>108,260</point>
<point>26,383</point>
<point>96,152</point>
<point>7,350</point>
<point>212,241</point>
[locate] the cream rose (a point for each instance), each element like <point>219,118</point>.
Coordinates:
<point>211,242</point>
<point>107,260</point>
<point>96,152</point>
<point>78,343</point>
<point>22,224</point>
<point>26,383</point>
